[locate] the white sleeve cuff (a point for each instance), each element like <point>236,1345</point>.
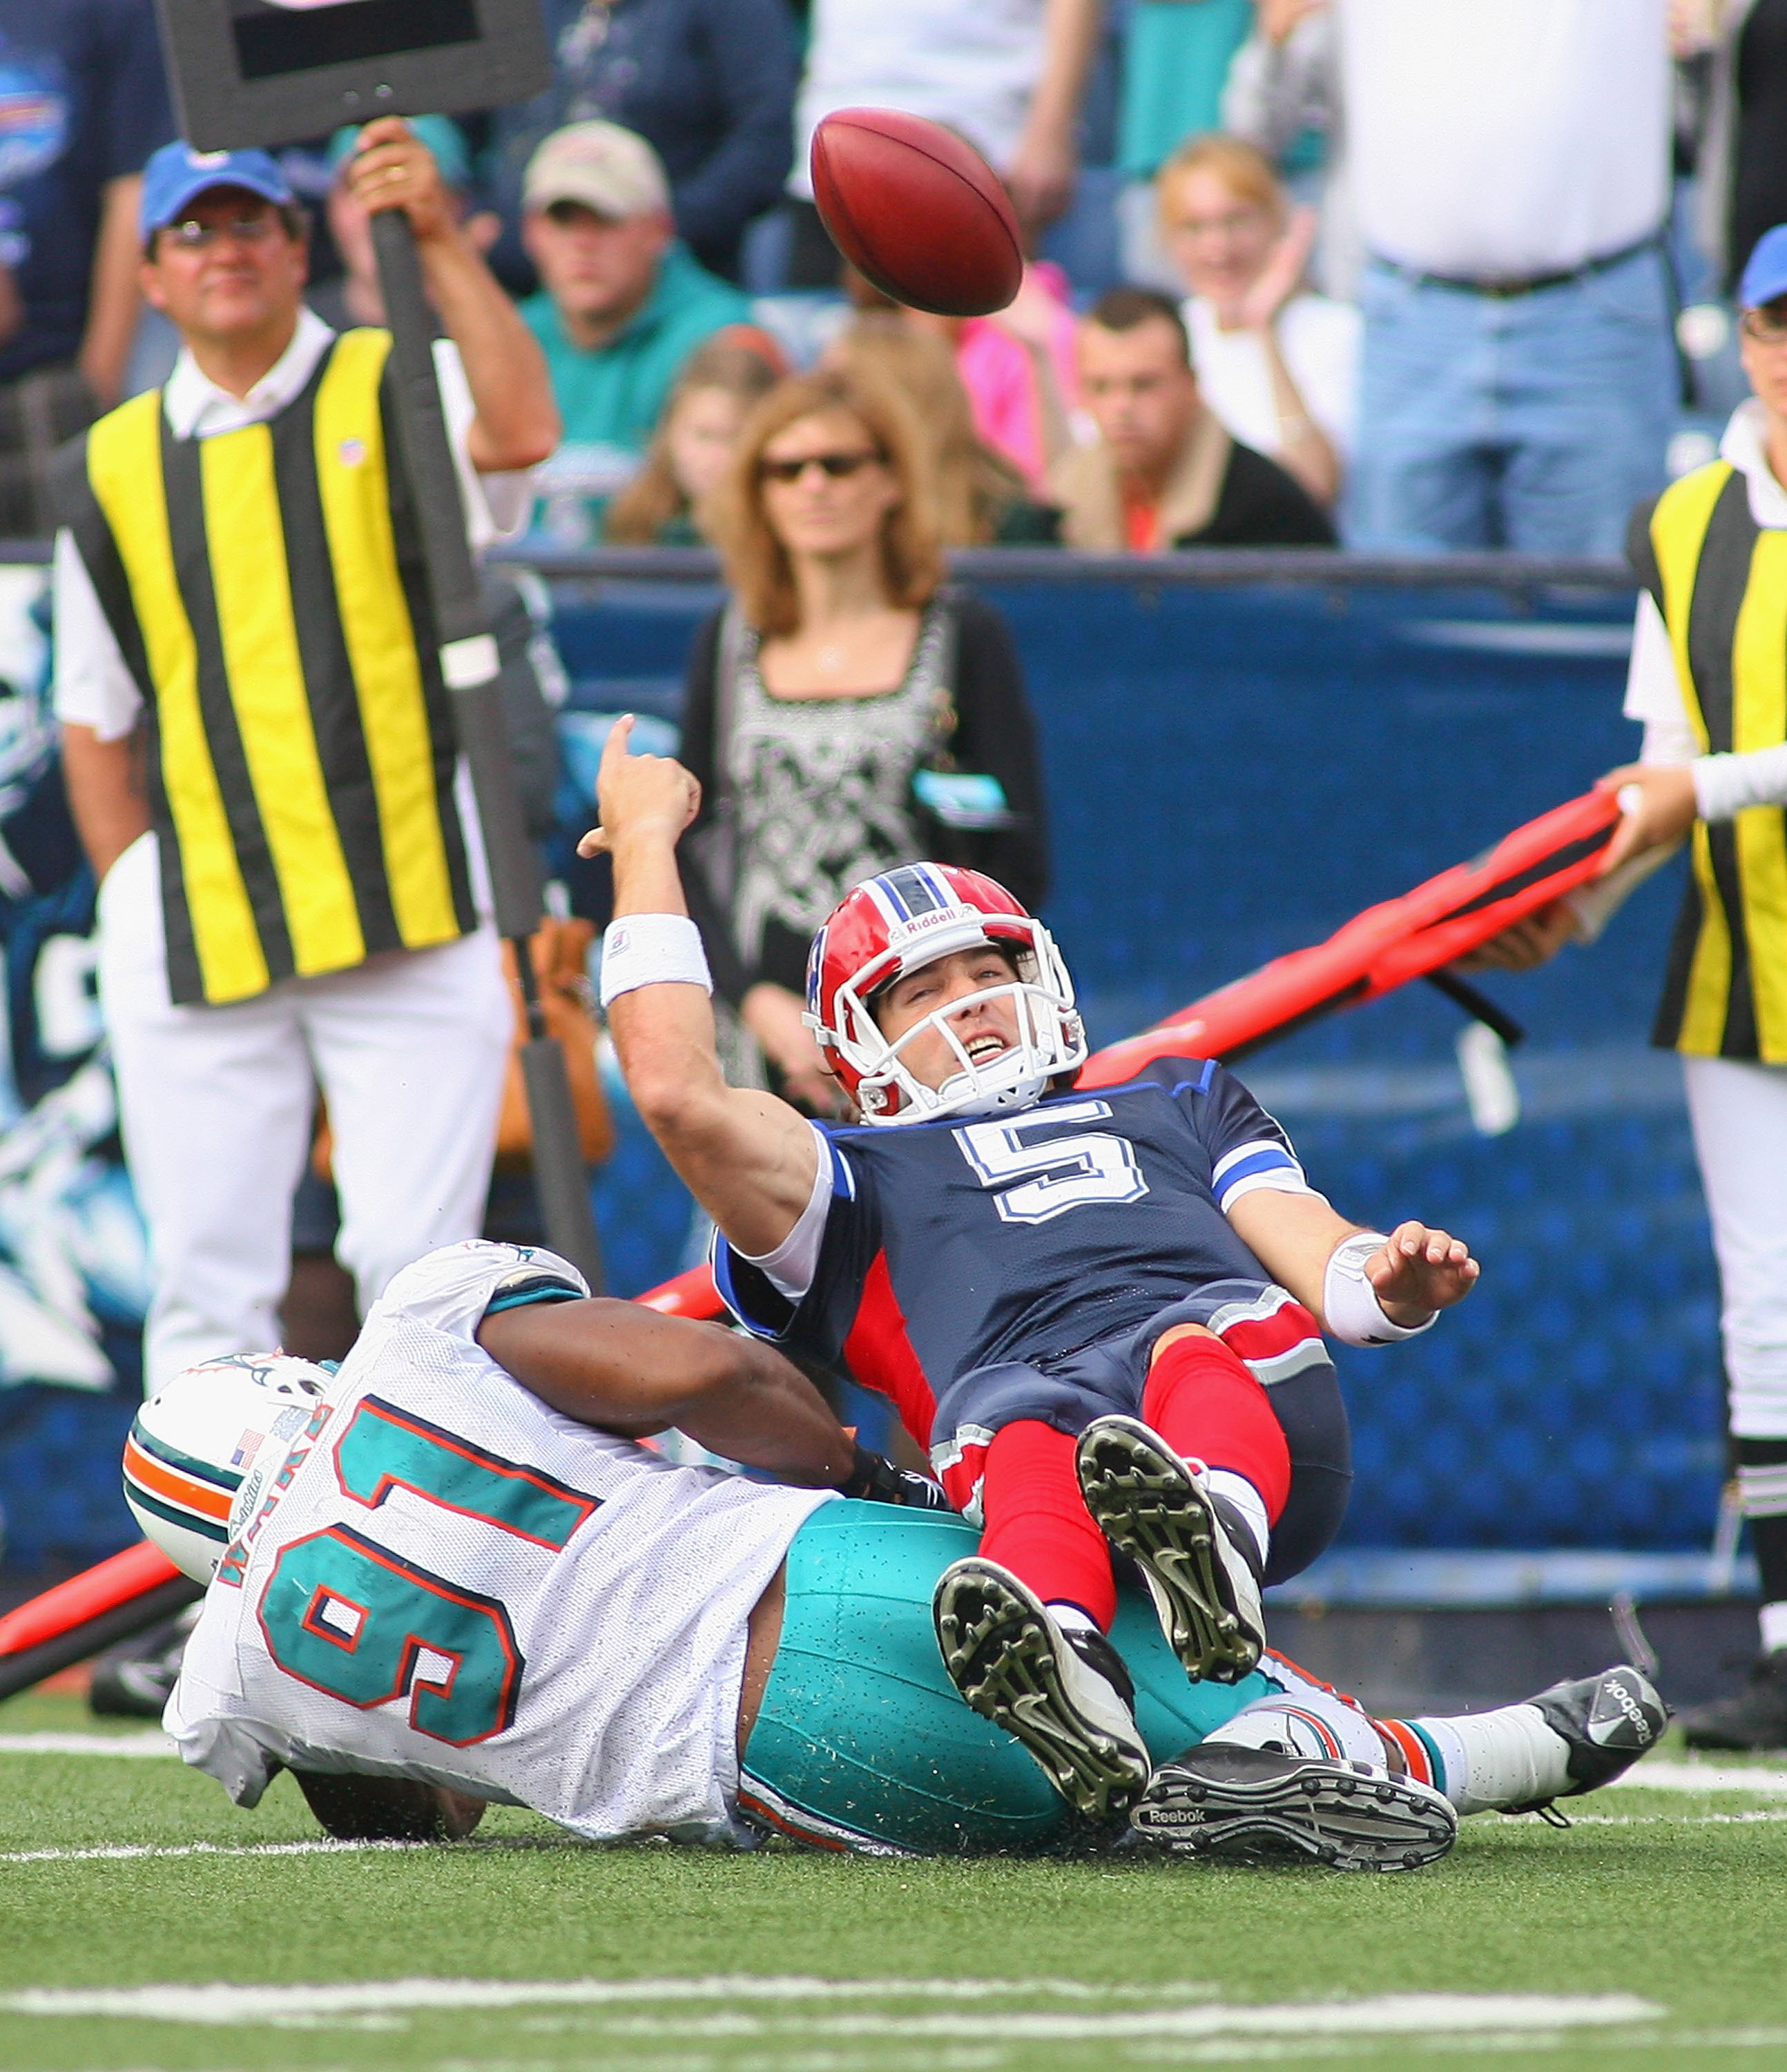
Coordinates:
<point>791,1268</point>
<point>1725,785</point>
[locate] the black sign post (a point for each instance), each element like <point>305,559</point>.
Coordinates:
<point>267,72</point>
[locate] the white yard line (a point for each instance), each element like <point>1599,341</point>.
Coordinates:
<point>150,1741</point>
<point>1390,2014</point>
<point>1659,1774</point>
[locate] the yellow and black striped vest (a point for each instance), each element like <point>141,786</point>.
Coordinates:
<point>267,589</point>
<point>1720,581</point>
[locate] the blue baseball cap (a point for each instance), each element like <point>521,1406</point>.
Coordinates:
<point>442,135</point>
<point>1765,276</point>
<point>177,175</point>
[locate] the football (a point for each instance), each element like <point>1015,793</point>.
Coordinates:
<point>916,211</point>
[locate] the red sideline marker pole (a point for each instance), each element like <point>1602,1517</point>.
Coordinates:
<point>1383,948</point>
<point>1376,951</point>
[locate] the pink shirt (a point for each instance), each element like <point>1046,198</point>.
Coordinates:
<point>997,370</point>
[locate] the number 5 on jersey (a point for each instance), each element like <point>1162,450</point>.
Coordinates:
<point>1070,1171</point>
<point>349,1617</point>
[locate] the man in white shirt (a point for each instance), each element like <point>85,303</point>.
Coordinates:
<point>1007,74</point>
<point>1509,163</point>
<point>259,751</point>
<point>1709,681</point>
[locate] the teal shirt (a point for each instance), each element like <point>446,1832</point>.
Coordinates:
<point>610,399</point>
<point>613,396</point>
<point>1175,68</point>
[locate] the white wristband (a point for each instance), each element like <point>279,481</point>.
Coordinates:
<point>652,949</point>
<point>1349,1302</point>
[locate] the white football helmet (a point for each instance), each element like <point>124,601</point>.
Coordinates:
<point>195,1444</point>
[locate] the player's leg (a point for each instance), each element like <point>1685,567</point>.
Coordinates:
<point>1191,1492</point>
<point>1305,1772</point>
<point>214,1108</point>
<point>410,1050</point>
<point>862,1740</point>
<point>1022,1623</point>
<point>1739,1111</point>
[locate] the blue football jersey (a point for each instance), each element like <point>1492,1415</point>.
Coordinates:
<point>951,1246</point>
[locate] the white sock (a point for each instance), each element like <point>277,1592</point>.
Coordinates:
<point>1247,1499</point>
<point>1493,1760</point>
<point>1773,1618</point>
<point>1070,1618</point>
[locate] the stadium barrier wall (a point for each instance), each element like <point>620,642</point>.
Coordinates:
<point>1244,749</point>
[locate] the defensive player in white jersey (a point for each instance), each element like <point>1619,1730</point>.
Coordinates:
<point>448,1575</point>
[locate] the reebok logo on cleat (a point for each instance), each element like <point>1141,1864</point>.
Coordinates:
<point>1618,1719</point>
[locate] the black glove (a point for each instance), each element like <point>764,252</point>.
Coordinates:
<point>875,1477</point>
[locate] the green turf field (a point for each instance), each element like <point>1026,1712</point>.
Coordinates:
<point>1654,1934</point>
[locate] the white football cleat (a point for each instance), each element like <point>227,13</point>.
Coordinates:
<point>1064,1693</point>
<point>1196,1551</point>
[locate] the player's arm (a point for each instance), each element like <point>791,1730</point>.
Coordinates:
<point>627,1369</point>
<point>1325,1262</point>
<point>516,424</point>
<point>749,1159</point>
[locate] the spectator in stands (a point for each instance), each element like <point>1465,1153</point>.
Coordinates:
<point>1175,60</point>
<point>354,296</point>
<point>708,83</point>
<point>1283,91</point>
<point>1511,168</point>
<point>1017,365</point>
<point>845,712</point>
<point>622,305</point>
<point>1743,159</point>
<point>1007,74</point>
<point>669,503</point>
<point>1277,364</point>
<point>85,103</point>
<point>1165,472</point>
<point>980,498</point>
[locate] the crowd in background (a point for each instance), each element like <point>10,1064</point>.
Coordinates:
<point>1412,278</point>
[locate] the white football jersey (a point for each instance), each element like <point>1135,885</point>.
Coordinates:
<point>443,1578</point>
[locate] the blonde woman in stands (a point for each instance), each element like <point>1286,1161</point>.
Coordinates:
<point>665,504</point>
<point>981,499</point>
<point>1277,363</point>
<point>846,712</point>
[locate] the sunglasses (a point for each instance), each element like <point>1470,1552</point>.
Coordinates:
<point>837,466</point>
<point>1765,328</point>
<point>194,236</point>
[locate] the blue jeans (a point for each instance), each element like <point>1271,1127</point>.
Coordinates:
<point>1533,422</point>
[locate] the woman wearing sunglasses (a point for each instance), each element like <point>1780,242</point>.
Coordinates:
<point>846,712</point>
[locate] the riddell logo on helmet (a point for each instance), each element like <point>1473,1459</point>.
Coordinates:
<point>925,924</point>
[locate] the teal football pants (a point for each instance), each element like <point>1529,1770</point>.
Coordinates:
<point>863,1743</point>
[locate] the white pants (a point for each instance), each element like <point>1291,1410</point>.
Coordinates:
<point>1739,1111</point>
<point>216,1103</point>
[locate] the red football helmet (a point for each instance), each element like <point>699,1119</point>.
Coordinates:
<point>900,922</point>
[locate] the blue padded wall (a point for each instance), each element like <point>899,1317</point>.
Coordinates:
<point>1235,772</point>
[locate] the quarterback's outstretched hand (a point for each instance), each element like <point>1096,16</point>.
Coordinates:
<point>638,795</point>
<point>1417,1271</point>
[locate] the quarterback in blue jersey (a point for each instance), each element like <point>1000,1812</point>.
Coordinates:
<point>1103,1315</point>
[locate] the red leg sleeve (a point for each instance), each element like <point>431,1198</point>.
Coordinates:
<point>1037,1525</point>
<point>1205,1403</point>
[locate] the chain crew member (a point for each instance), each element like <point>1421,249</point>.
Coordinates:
<point>260,752</point>
<point>1709,680</point>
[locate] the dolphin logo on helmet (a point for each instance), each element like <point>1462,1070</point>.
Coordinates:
<point>897,923</point>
